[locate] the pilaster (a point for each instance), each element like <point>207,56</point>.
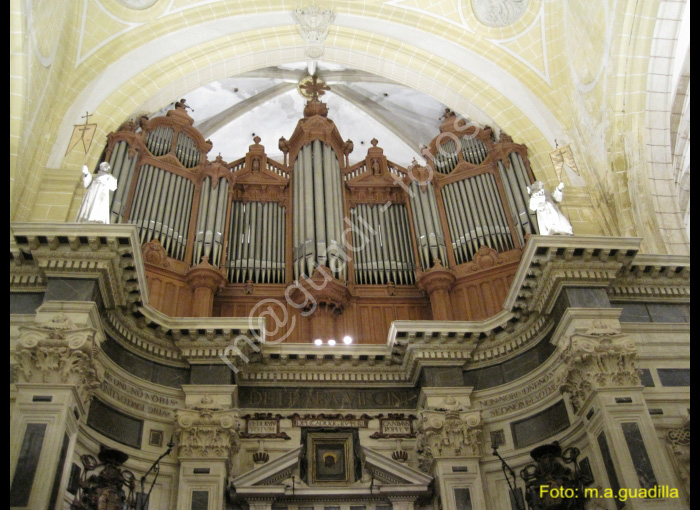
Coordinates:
<point>57,372</point>
<point>208,435</point>
<point>449,443</point>
<point>599,374</point>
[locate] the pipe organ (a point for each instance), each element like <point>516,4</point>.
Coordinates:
<point>395,242</point>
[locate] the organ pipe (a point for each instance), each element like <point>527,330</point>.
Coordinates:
<point>380,254</point>
<point>161,210</point>
<point>123,170</point>
<point>210,222</point>
<point>256,240</point>
<point>476,216</point>
<point>428,226</point>
<point>318,211</point>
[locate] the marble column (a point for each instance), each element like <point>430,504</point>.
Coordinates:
<point>599,374</point>
<point>449,444</point>
<point>57,371</point>
<point>207,438</point>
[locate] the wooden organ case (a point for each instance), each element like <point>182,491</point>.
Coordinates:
<point>331,248</point>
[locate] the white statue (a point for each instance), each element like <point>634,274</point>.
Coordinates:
<point>95,205</point>
<point>549,217</point>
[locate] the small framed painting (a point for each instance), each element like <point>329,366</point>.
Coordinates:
<point>331,458</point>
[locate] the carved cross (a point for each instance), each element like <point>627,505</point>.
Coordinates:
<point>312,88</point>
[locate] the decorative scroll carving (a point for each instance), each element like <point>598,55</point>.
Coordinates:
<point>486,258</point>
<point>154,253</point>
<point>60,352</point>
<point>679,444</point>
<point>448,433</point>
<point>207,431</point>
<point>602,357</point>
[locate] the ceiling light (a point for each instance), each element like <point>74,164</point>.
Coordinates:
<point>318,341</point>
<point>347,340</point>
<point>331,342</point>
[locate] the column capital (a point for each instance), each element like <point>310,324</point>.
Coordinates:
<point>61,348</point>
<point>596,356</point>
<point>450,431</point>
<point>207,431</point>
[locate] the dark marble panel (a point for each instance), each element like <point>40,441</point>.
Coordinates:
<point>510,370</point>
<point>200,500</point>
<point>145,369</point>
<point>211,374</point>
<point>441,377</point>
<point>463,499</point>
<point>25,302</point>
<point>645,376</point>
<point>21,487</point>
<point>540,426</point>
<point>522,365</point>
<point>74,479</point>
<point>610,468</point>
<point>484,377</point>
<point>114,424</point>
<point>640,456</point>
<point>586,297</point>
<point>634,312</point>
<point>59,471</point>
<point>71,289</point>
<point>332,398</point>
<point>674,376</point>
<point>666,312</point>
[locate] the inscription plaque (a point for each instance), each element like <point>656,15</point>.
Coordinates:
<point>337,399</point>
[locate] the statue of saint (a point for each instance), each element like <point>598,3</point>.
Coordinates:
<point>549,217</point>
<point>95,205</point>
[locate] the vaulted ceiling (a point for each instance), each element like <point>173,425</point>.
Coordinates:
<point>565,72</point>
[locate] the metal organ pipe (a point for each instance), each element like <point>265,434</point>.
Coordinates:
<point>318,209</point>
<point>256,243</point>
<point>476,216</point>
<point>431,240</point>
<point>123,170</point>
<point>382,253</point>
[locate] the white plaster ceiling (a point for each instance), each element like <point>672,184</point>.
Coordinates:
<point>266,103</point>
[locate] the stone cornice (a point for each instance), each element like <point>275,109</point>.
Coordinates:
<point>657,277</point>
<point>551,262</point>
<point>111,254</point>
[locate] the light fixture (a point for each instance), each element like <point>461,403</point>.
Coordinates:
<point>318,341</point>
<point>331,342</point>
<point>347,340</point>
